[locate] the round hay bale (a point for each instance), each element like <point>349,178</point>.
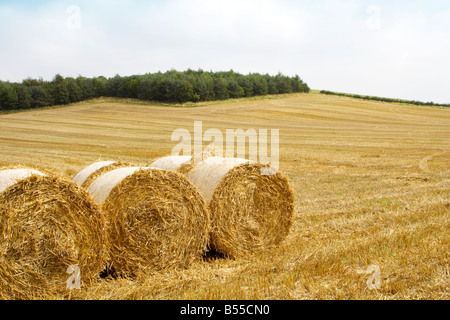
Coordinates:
<point>250,209</point>
<point>184,164</point>
<point>181,164</point>
<point>86,176</point>
<point>81,176</point>
<point>157,219</point>
<point>47,224</point>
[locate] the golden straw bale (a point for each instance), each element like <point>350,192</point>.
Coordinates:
<point>184,164</point>
<point>251,205</point>
<point>157,219</point>
<point>81,176</point>
<point>47,224</point>
<point>87,175</point>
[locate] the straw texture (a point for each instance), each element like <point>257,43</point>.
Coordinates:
<point>86,176</point>
<point>81,177</point>
<point>250,211</point>
<point>184,164</point>
<point>157,219</point>
<point>47,224</point>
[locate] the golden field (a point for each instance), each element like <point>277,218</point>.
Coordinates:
<point>371,183</point>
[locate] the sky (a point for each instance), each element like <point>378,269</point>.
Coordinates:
<point>395,48</point>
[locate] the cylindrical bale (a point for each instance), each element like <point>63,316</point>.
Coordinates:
<point>181,164</point>
<point>87,175</point>
<point>48,225</point>
<point>81,176</point>
<point>157,219</point>
<point>251,210</point>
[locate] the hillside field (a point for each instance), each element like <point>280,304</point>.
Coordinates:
<point>371,183</point>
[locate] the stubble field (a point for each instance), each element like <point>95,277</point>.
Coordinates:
<point>371,183</point>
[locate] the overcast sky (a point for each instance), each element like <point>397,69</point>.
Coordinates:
<point>395,48</point>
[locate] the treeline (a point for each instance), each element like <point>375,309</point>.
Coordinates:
<point>171,86</point>
<point>357,96</point>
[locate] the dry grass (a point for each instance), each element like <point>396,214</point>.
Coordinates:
<point>371,183</point>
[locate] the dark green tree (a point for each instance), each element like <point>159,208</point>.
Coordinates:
<point>34,82</point>
<point>179,87</point>
<point>23,96</point>
<point>8,97</point>
<point>204,87</point>
<point>74,89</point>
<point>125,87</point>
<point>159,84</point>
<point>271,84</point>
<point>171,86</point>
<point>112,89</point>
<point>259,85</point>
<point>88,89</point>
<point>100,86</point>
<point>246,84</point>
<point>59,92</point>
<point>220,88</point>
<point>144,88</point>
<point>39,97</point>
<point>131,87</point>
<point>284,84</point>
<point>234,89</point>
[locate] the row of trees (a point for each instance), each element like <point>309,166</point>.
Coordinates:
<point>33,93</point>
<point>357,96</point>
<point>171,86</point>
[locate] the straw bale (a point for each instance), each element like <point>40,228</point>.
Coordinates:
<point>81,176</point>
<point>180,164</point>
<point>250,211</point>
<point>47,224</point>
<point>156,219</point>
<point>9,177</point>
<point>171,162</point>
<point>86,176</point>
<point>184,164</point>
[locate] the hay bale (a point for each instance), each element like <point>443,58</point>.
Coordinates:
<point>184,164</point>
<point>250,211</point>
<point>181,164</point>
<point>10,177</point>
<point>157,219</point>
<point>86,176</point>
<point>47,224</point>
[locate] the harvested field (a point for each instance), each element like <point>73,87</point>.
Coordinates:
<point>371,183</point>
